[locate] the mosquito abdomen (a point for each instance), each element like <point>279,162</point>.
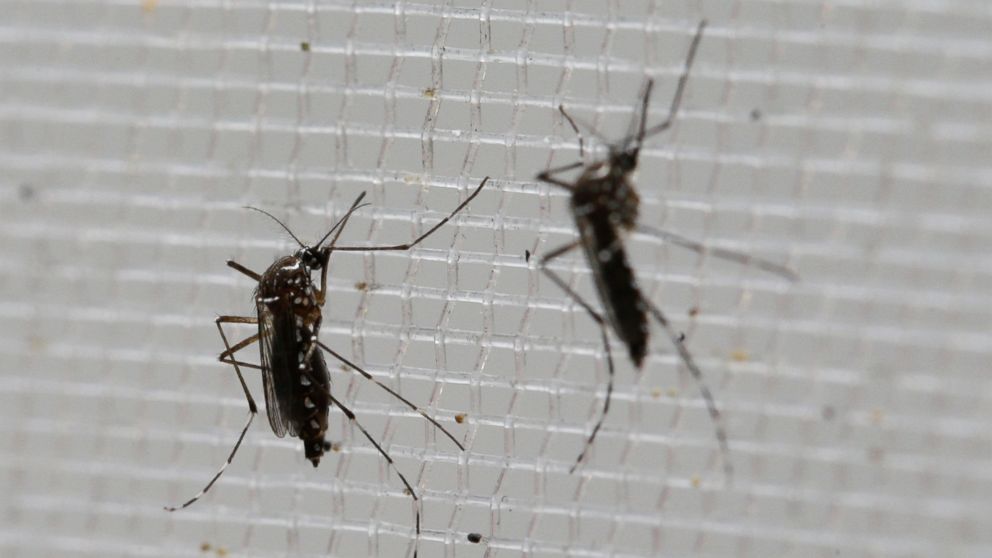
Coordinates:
<point>615,282</point>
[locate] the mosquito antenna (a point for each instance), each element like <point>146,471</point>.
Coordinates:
<point>339,226</point>
<point>281,224</point>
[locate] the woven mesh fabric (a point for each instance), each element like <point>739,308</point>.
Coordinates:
<point>850,140</point>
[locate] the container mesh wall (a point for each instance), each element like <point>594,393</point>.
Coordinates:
<point>850,140</point>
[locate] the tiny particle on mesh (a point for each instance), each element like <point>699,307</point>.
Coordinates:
<point>828,412</point>
<point>149,5</point>
<point>361,286</point>
<point>305,46</point>
<point>221,552</point>
<point>37,343</point>
<point>526,255</point>
<point>460,418</point>
<point>756,115</point>
<point>740,355</point>
<point>474,538</point>
<point>696,481</point>
<point>876,454</point>
<point>693,312</point>
<point>205,547</point>
<point>336,447</point>
<point>25,192</point>
<point>656,393</point>
<point>430,92</point>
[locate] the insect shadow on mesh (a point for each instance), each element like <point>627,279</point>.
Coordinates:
<point>604,205</point>
<point>295,377</point>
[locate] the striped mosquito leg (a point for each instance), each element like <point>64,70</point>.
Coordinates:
<point>420,238</point>
<point>392,392</point>
<point>548,175</point>
<point>413,494</point>
<point>722,253</point>
<point>704,390</point>
<point>252,407</point>
<point>606,343</point>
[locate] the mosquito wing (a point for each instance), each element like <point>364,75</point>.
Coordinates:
<point>277,340</point>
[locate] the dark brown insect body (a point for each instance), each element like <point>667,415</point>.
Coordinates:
<point>605,205</point>
<point>294,374</point>
<point>296,390</point>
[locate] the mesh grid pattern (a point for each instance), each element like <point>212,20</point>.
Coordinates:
<point>850,140</point>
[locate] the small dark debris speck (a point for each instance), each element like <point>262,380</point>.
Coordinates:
<point>460,418</point>
<point>526,255</point>
<point>305,46</point>
<point>828,412</point>
<point>755,115</point>
<point>26,192</point>
<point>474,538</point>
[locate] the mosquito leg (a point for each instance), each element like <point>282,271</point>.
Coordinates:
<point>547,175</point>
<point>575,121</point>
<point>228,353</point>
<point>413,494</point>
<point>420,238</point>
<point>704,390</point>
<point>392,392</point>
<point>723,253</point>
<point>252,411</point>
<point>242,363</point>
<point>680,88</point>
<point>235,265</point>
<point>575,128</point>
<point>603,331</point>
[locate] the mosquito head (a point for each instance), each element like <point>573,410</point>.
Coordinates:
<point>312,257</point>
<point>624,161</point>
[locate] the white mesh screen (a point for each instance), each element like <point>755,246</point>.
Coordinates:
<point>850,140</point>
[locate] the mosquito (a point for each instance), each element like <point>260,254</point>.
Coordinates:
<point>604,205</point>
<point>295,377</point>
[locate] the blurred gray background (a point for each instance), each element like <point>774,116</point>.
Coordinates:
<point>849,140</point>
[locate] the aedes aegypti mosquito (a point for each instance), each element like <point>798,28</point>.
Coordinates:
<point>604,205</point>
<point>294,375</point>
